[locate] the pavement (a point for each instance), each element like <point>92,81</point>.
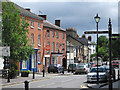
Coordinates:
<point>38,76</point>
<point>116,84</point>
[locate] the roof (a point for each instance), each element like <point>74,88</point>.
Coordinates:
<point>27,13</point>
<point>83,40</point>
<point>74,39</point>
<point>48,24</point>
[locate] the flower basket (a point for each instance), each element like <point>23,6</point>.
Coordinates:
<point>24,73</point>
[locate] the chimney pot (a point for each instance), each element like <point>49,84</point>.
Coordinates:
<point>90,38</point>
<point>57,22</point>
<point>28,9</point>
<point>43,16</point>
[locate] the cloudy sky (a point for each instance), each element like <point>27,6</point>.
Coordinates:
<point>76,14</point>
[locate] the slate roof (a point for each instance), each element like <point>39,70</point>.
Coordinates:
<point>48,24</point>
<point>27,13</point>
<point>83,41</point>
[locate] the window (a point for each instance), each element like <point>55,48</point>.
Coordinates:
<point>53,46</point>
<point>32,42</point>
<point>53,33</point>
<point>31,23</point>
<point>48,33</point>
<point>63,35</point>
<point>48,51</point>
<point>48,43</point>
<point>24,64</point>
<point>63,48</point>
<point>23,21</point>
<point>57,47</point>
<point>39,39</point>
<point>57,34</point>
<point>39,57</point>
<point>39,25</point>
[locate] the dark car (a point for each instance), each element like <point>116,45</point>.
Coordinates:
<point>71,67</point>
<point>55,68</point>
<point>52,68</point>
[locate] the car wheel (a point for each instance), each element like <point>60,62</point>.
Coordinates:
<point>48,71</point>
<point>68,70</point>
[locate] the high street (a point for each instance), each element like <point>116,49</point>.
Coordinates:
<point>60,81</point>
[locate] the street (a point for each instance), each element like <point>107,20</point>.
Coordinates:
<point>64,81</point>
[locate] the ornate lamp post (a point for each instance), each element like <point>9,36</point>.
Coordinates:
<point>97,19</point>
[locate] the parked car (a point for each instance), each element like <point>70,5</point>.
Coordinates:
<point>71,67</point>
<point>107,68</point>
<point>115,63</point>
<point>55,68</point>
<point>52,68</point>
<point>82,68</point>
<point>92,75</point>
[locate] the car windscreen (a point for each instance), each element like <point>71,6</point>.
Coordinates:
<point>99,69</point>
<point>80,66</point>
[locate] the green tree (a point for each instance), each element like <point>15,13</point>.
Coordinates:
<point>14,32</point>
<point>116,48</point>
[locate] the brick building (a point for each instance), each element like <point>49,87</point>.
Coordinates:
<point>35,33</point>
<point>48,40</point>
<point>54,38</point>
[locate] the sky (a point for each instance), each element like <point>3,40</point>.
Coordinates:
<point>77,14</point>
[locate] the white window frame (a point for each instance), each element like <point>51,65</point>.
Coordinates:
<point>39,25</point>
<point>32,38</point>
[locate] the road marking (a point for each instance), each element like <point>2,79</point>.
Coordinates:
<point>67,80</point>
<point>46,85</point>
<point>84,86</point>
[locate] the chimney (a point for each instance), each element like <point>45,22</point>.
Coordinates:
<point>90,38</point>
<point>43,16</point>
<point>83,36</point>
<point>57,22</point>
<point>28,9</point>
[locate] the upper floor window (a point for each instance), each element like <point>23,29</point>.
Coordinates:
<point>53,33</point>
<point>63,35</point>
<point>53,47</point>
<point>48,33</point>
<point>39,25</point>
<point>39,39</point>
<point>31,23</point>
<point>32,42</point>
<point>57,34</point>
<point>48,43</point>
<point>63,48</point>
<point>57,48</point>
<point>23,20</point>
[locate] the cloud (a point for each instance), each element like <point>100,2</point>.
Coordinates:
<point>78,15</point>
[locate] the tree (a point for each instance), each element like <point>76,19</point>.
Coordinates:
<point>116,48</point>
<point>14,32</point>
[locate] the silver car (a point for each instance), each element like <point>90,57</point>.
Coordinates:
<point>92,75</point>
<point>81,69</point>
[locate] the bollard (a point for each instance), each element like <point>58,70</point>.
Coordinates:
<point>43,71</point>
<point>118,74</point>
<point>114,75</point>
<point>8,77</point>
<point>26,85</point>
<point>33,73</point>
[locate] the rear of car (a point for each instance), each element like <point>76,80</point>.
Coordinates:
<point>81,69</point>
<point>71,67</point>
<point>52,68</point>
<point>115,63</point>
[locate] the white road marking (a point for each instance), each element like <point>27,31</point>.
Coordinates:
<point>46,85</point>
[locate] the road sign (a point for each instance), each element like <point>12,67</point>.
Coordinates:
<point>95,32</point>
<point>4,51</point>
<point>47,47</point>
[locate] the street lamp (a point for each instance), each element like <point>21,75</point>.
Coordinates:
<point>97,19</point>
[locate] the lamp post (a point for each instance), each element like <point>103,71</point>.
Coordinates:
<point>97,19</point>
